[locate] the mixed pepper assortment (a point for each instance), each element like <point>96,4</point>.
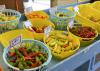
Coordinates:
<point>83,31</point>
<point>61,43</point>
<point>37,14</point>
<point>38,30</point>
<point>4,17</point>
<point>7,22</point>
<point>26,56</point>
<point>30,55</point>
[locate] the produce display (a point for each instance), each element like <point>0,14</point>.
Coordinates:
<point>37,30</point>
<point>4,17</point>
<point>88,15</point>
<point>84,32</point>
<point>38,25</point>
<point>6,27</point>
<point>59,39</point>
<point>62,15</point>
<point>61,23</point>
<point>37,14</point>
<point>61,44</point>
<point>9,20</point>
<point>61,18</point>
<point>27,55</point>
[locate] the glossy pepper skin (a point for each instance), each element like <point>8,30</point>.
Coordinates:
<point>84,32</point>
<point>26,56</point>
<point>39,30</point>
<point>23,51</point>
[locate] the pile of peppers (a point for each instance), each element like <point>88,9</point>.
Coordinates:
<point>26,56</point>
<point>84,32</point>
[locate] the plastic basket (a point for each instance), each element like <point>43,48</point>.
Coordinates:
<point>39,23</point>
<point>7,25</point>
<point>96,5</point>
<point>84,41</point>
<point>63,54</point>
<point>13,34</point>
<point>37,14</point>
<point>32,69</point>
<point>86,11</point>
<point>61,22</point>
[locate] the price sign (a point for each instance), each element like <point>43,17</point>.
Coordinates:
<point>71,24</point>
<point>76,9</point>
<point>15,41</point>
<point>28,9</point>
<point>47,30</point>
<point>27,24</point>
<point>53,10</point>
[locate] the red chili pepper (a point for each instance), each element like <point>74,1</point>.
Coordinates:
<point>65,46</point>
<point>23,51</point>
<point>12,54</point>
<point>35,54</point>
<point>84,32</point>
<point>29,58</point>
<point>35,64</point>
<point>34,28</point>
<point>13,60</point>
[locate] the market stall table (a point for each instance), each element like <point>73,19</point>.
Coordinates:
<point>73,62</point>
<point>85,57</point>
